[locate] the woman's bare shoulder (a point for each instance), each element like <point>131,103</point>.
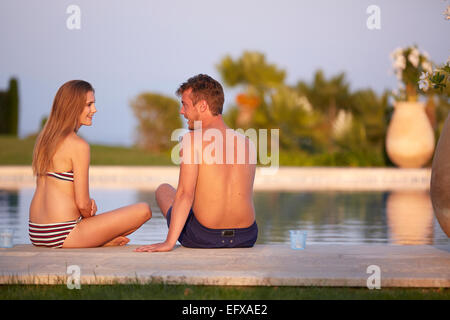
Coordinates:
<point>76,143</point>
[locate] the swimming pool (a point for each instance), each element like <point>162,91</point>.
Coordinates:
<point>334,217</point>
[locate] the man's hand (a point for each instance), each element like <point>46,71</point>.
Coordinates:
<point>156,247</point>
<point>93,207</point>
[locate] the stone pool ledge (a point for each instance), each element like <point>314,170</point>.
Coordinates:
<point>281,179</point>
<point>262,265</point>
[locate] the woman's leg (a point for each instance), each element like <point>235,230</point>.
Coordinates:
<point>102,229</point>
<point>165,195</point>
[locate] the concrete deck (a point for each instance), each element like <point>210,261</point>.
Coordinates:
<point>262,265</point>
<point>281,179</point>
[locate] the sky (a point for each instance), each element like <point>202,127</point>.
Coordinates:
<point>124,48</point>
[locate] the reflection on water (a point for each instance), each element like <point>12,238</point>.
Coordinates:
<point>410,217</point>
<point>9,209</point>
<point>332,217</point>
<point>328,216</point>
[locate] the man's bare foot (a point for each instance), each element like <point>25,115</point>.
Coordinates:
<point>119,241</point>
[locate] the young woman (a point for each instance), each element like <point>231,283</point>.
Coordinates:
<point>62,214</point>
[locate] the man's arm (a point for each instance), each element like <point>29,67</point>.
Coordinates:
<point>184,199</point>
<point>184,196</point>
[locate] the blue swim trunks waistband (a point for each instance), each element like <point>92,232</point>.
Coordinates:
<point>195,235</point>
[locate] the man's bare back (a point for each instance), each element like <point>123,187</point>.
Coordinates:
<point>224,191</point>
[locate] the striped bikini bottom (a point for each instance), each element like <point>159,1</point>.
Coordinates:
<point>51,235</point>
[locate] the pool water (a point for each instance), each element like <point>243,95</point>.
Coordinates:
<point>329,217</point>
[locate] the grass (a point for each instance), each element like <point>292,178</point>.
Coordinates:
<point>108,155</point>
<point>190,292</point>
<point>17,151</point>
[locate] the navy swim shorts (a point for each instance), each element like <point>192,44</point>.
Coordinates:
<point>195,235</point>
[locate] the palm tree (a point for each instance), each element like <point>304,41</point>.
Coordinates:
<point>328,97</point>
<point>259,79</point>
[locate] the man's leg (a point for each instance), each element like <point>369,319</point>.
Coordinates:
<point>165,195</point>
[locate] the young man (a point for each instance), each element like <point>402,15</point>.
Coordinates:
<point>213,204</point>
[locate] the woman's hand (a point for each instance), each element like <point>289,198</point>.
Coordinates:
<point>93,208</point>
<point>156,247</point>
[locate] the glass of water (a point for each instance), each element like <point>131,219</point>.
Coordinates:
<point>298,239</point>
<point>6,237</point>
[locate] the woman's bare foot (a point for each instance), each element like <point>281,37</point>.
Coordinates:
<point>119,241</point>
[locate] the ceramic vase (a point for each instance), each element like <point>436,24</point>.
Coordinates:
<point>410,137</point>
<point>440,179</point>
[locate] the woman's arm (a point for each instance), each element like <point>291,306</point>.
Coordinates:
<point>80,165</point>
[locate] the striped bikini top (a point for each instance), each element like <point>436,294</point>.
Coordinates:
<point>68,176</point>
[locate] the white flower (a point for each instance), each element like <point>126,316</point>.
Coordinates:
<point>397,52</point>
<point>426,65</point>
<point>400,63</point>
<point>424,85</point>
<point>424,76</point>
<point>413,57</point>
<point>342,123</point>
<point>423,82</point>
<point>447,13</point>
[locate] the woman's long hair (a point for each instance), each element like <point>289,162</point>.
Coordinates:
<point>68,105</point>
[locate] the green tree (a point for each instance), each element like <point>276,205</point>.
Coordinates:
<point>9,109</point>
<point>321,123</point>
<point>13,100</point>
<point>158,116</point>
<point>364,141</point>
<point>251,70</point>
<point>442,109</point>
<point>329,97</point>
<point>258,80</point>
<point>296,118</point>
<point>4,127</point>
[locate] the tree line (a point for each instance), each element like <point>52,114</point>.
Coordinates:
<point>9,109</point>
